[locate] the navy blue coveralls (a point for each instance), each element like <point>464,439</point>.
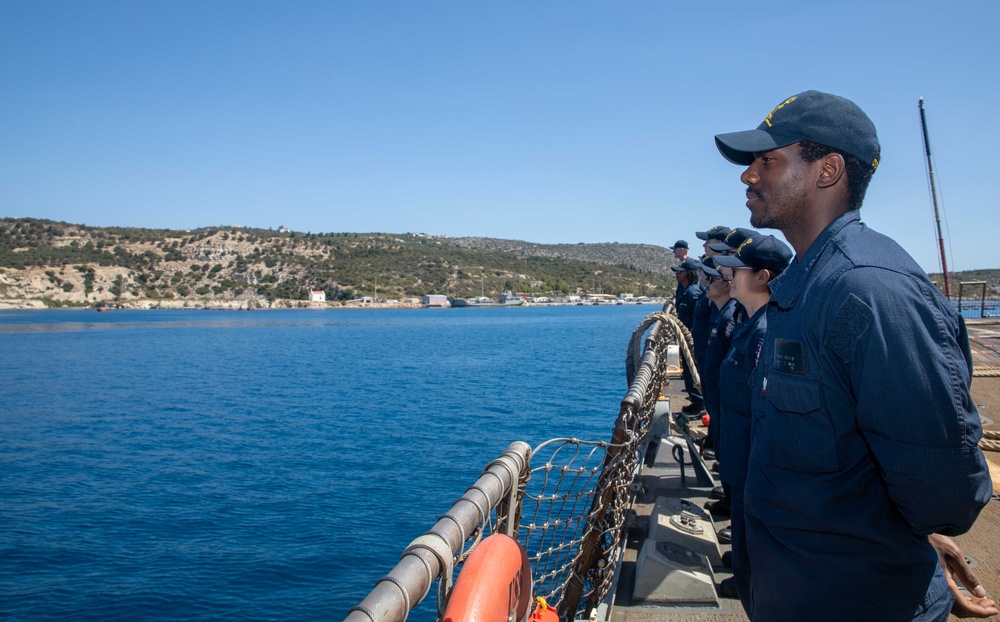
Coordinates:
<point>685,313</point>
<point>701,326</point>
<point>686,304</point>
<point>864,437</point>
<point>736,382</point>
<point>719,339</point>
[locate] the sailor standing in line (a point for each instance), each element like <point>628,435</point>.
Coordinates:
<point>687,274</point>
<point>716,234</point>
<point>701,323</point>
<point>732,240</point>
<point>749,268</point>
<point>864,438</point>
<point>680,250</point>
<point>719,338</point>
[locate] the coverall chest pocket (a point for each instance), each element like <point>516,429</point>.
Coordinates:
<point>795,431</point>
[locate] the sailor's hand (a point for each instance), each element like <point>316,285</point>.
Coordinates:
<point>955,567</point>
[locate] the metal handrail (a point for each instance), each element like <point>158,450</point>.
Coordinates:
<point>432,554</point>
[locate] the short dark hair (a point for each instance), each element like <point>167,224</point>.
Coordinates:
<point>859,173</point>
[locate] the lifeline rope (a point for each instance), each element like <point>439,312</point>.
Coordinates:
<point>990,440</point>
<point>675,331</point>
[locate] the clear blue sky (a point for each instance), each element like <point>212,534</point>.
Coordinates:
<point>549,122</point>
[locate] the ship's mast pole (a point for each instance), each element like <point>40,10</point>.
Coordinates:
<point>937,216</point>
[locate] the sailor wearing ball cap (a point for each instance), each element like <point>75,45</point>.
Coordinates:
<point>687,276</point>
<point>704,310</point>
<point>717,233</point>
<point>755,262</point>
<point>719,337</point>
<point>732,241</point>
<point>864,440</point>
<point>691,295</point>
<point>680,249</point>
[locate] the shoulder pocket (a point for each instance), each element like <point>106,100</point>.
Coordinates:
<point>796,432</point>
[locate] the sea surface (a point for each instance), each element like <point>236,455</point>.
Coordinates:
<point>229,465</point>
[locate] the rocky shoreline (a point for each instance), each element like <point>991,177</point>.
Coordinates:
<point>210,305</point>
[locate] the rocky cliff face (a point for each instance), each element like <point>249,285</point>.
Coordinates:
<point>69,285</point>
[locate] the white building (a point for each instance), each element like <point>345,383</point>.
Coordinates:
<point>317,295</point>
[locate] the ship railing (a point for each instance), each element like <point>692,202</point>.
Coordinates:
<point>567,501</point>
<point>978,299</point>
<point>488,506</point>
<point>975,299</point>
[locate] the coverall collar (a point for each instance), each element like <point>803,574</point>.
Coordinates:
<point>791,282</point>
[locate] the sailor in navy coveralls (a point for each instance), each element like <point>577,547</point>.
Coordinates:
<point>680,250</point>
<point>703,318</point>
<point>720,335</point>
<point>687,273</point>
<point>750,267</point>
<point>687,277</point>
<point>864,436</point>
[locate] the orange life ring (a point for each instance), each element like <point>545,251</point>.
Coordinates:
<point>494,584</point>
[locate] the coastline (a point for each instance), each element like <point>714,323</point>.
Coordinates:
<point>217,305</point>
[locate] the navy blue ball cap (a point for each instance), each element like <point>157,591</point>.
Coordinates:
<point>687,264</point>
<point>733,240</point>
<point>679,244</point>
<point>760,252</point>
<point>715,233</point>
<point>709,267</point>
<point>812,115</point>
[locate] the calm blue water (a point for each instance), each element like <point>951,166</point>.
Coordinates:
<point>205,465</point>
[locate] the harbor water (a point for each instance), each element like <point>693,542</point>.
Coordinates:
<point>226,465</point>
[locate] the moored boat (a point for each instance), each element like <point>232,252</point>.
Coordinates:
<point>507,299</point>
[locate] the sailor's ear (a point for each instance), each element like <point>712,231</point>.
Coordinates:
<point>832,168</point>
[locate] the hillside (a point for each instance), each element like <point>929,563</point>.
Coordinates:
<point>642,257</point>
<point>46,263</point>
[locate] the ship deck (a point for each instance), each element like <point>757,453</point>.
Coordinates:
<point>662,479</point>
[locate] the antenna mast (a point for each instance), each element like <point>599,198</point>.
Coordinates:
<point>937,216</point>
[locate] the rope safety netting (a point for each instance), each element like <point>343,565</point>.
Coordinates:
<point>577,500</point>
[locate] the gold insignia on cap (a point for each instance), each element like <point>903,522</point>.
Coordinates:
<point>767,119</point>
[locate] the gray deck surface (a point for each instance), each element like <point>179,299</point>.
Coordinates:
<point>981,544</point>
